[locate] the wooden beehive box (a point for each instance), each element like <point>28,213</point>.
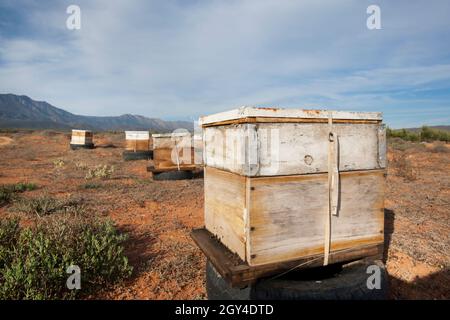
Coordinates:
<point>280,187</point>
<point>198,149</point>
<point>82,138</point>
<point>137,141</point>
<point>173,151</point>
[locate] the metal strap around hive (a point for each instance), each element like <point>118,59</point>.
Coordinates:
<point>178,159</point>
<point>333,185</point>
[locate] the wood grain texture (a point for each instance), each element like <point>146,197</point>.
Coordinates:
<point>81,137</point>
<point>288,213</point>
<point>271,149</point>
<point>137,145</point>
<point>170,140</point>
<point>382,148</point>
<point>239,274</point>
<point>165,157</point>
<point>285,120</point>
<point>279,113</point>
<point>225,196</point>
<point>232,148</point>
<point>137,135</point>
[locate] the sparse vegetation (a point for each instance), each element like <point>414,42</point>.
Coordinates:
<point>403,145</point>
<point>100,171</point>
<point>8,192</point>
<point>440,147</point>
<point>405,168</point>
<point>91,185</point>
<point>425,134</point>
<point>81,165</point>
<point>58,163</point>
<point>6,195</point>
<point>25,186</point>
<point>159,217</point>
<point>46,205</point>
<point>33,261</point>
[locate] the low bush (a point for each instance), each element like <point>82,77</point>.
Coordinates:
<point>34,260</point>
<point>425,134</point>
<point>25,186</point>
<point>404,167</point>
<point>440,148</point>
<point>46,205</point>
<point>6,195</point>
<point>8,192</point>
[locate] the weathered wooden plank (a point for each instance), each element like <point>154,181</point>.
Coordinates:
<point>270,149</point>
<point>238,273</point>
<point>275,113</point>
<point>81,137</point>
<point>166,157</point>
<point>81,133</point>
<point>286,120</point>
<point>137,145</point>
<point>137,135</point>
<point>382,146</point>
<point>225,195</point>
<point>170,168</point>
<point>287,216</point>
<point>169,140</point>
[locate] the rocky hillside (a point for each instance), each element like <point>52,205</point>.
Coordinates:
<point>24,112</point>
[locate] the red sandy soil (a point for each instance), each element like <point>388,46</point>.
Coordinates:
<point>158,215</point>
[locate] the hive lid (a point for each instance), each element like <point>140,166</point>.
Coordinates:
<point>254,112</point>
<point>137,135</point>
<point>79,130</point>
<point>170,135</point>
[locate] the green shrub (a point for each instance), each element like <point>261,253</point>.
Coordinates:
<point>7,192</point>
<point>6,195</point>
<point>33,261</point>
<point>46,205</point>
<point>9,234</point>
<point>425,134</point>
<point>25,186</point>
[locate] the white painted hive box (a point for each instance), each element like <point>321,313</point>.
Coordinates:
<point>137,140</point>
<point>81,137</point>
<point>268,194</point>
<point>174,151</point>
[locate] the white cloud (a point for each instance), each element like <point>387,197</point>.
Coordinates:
<point>176,59</point>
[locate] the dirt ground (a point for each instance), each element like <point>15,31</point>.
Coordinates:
<point>158,215</point>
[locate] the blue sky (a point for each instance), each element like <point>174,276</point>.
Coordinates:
<point>182,59</point>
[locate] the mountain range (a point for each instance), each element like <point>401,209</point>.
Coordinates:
<point>19,111</point>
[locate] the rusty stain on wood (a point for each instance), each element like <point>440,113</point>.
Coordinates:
<point>286,120</point>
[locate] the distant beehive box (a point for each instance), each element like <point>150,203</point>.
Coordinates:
<point>198,149</point>
<point>284,184</point>
<point>137,145</point>
<point>81,139</point>
<point>174,151</point>
<point>137,141</point>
